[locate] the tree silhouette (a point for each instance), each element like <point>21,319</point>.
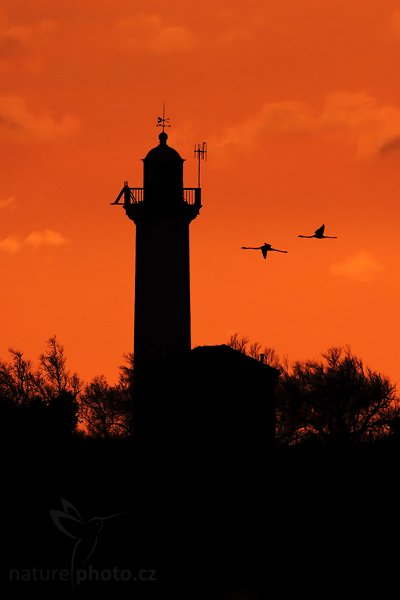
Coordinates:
<point>23,413</point>
<point>62,411</point>
<point>127,376</point>
<point>238,342</point>
<point>38,403</point>
<point>336,401</point>
<point>106,410</point>
<point>265,354</point>
<point>18,381</point>
<point>54,378</point>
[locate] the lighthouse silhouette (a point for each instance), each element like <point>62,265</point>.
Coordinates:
<point>212,400</point>
<point>162,211</point>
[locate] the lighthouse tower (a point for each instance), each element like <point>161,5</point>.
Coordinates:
<point>162,211</point>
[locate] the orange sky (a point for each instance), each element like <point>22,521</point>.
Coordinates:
<point>299,101</point>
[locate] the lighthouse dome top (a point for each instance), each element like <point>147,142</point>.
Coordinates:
<point>163,152</point>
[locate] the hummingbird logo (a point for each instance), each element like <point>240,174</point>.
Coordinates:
<point>85,532</point>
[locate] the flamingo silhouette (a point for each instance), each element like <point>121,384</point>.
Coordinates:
<point>264,249</point>
<point>319,234</point>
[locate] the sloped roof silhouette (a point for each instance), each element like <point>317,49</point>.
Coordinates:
<point>223,355</point>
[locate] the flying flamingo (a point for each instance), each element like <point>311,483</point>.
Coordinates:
<point>319,234</point>
<point>264,249</point>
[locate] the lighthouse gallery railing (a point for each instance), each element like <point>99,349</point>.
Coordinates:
<point>130,195</point>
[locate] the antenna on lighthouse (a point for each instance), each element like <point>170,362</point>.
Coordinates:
<point>163,121</point>
<point>200,151</point>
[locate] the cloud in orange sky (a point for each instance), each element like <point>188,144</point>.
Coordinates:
<point>6,202</point>
<point>10,244</point>
<point>273,118</point>
<point>36,239</point>
<point>358,267</point>
<point>17,122</point>
<point>148,31</point>
<point>372,128</point>
<point>369,125</point>
<point>48,237</point>
<point>17,39</point>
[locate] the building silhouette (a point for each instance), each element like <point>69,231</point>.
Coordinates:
<point>215,402</point>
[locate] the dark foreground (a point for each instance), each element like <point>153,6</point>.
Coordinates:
<point>310,523</point>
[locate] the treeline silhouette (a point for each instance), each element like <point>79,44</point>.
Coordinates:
<point>51,402</point>
<point>209,527</point>
<point>334,401</point>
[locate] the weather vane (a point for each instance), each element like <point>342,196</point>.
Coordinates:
<point>163,121</point>
<point>200,151</point>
